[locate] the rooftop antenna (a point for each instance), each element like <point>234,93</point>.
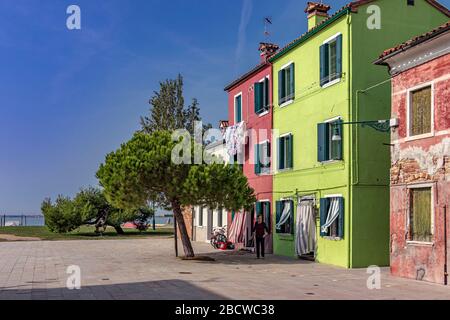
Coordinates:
<point>267,24</point>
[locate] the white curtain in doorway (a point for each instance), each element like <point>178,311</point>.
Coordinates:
<point>333,214</point>
<point>305,228</point>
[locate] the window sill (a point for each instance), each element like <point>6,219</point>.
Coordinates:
<point>333,238</point>
<point>330,162</point>
<point>420,136</point>
<point>420,243</point>
<point>264,113</point>
<point>331,83</point>
<point>285,104</point>
<point>284,170</point>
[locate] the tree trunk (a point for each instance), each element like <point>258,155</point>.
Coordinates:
<point>187,246</point>
<point>119,230</point>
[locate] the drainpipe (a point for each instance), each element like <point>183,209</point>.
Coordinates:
<point>350,145</point>
<point>445,246</point>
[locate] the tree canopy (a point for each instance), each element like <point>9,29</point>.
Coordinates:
<point>89,206</point>
<point>142,169</point>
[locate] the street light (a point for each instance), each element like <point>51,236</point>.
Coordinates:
<point>378,125</point>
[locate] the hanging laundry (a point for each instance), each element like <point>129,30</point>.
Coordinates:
<point>305,228</point>
<point>235,138</point>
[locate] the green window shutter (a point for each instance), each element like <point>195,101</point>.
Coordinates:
<point>281,86</point>
<point>259,208</point>
<point>267,219</point>
<point>290,151</point>
<point>281,147</point>
<point>268,154</point>
<point>233,213</point>
<point>323,214</point>
<point>259,92</point>
<point>322,141</point>
<point>292,81</point>
<point>266,94</point>
<point>279,209</point>
<point>257,160</point>
<point>339,56</point>
<point>239,106</point>
<point>341,218</point>
<point>324,64</point>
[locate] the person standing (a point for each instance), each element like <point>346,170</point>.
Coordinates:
<point>260,231</point>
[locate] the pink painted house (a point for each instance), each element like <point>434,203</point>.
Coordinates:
<point>420,169</point>
<point>250,104</point>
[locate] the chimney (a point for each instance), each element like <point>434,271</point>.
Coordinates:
<point>317,12</point>
<point>267,50</point>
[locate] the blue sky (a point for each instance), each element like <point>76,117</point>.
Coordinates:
<point>70,97</point>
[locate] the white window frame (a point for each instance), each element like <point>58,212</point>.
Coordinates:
<point>290,101</point>
<point>337,80</point>
<point>409,93</point>
<point>234,110</point>
<point>408,215</point>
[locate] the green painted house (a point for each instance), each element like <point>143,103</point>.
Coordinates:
<point>331,181</point>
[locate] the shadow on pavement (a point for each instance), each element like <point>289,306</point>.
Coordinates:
<point>151,290</point>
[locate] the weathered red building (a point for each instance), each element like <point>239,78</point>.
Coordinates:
<point>250,104</point>
<point>420,171</point>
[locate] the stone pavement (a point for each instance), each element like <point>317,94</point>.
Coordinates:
<point>146,269</point>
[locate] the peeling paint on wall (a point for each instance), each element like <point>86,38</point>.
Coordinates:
<point>428,160</point>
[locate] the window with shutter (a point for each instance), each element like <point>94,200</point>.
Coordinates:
<point>329,141</point>
<point>420,111</point>
<point>286,84</point>
<point>287,226</point>
<point>420,215</point>
<point>331,60</point>
<point>332,211</point>
<point>262,101</point>
<point>285,152</point>
<point>259,96</point>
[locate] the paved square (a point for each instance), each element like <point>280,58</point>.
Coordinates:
<point>147,269</point>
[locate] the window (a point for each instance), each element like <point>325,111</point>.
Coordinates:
<point>200,217</point>
<point>262,101</point>
<point>329,144</point>
<point>285,216</point>
<point>262,158</point>
<point>238,108</point>
<point>332,217</point>
<point>420,215</point>
<point>285,152</point>
<point>286,84</point>
<point>420,111</point>
<point>263,208</point>
<point>331,60</point>
<point>220,218</point>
